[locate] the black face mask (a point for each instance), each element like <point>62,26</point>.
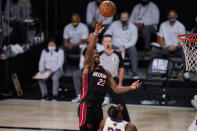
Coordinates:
<point>124,24</point>
<point>144,2</point>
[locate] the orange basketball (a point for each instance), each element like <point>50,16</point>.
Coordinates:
<point>107,8</point>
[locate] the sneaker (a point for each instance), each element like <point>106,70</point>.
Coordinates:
<point>135,75</point>
<point>55,98</point>
<point>77,99</point>
<point>44,98</point>
<point>194,103</point>
<point>106,101</point>
<point>149,102</point>
<point>195,98</point>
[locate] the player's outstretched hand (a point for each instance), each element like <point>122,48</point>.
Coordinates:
<point>135,85</point>
<point>99,27</point>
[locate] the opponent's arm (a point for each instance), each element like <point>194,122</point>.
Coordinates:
<point>101,126</point>
<point>122,89</point>
<point>91,46</point>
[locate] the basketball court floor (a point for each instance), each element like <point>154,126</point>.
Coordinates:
<point>32,115</point>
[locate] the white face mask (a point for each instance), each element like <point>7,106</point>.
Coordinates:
<point>51,47</point>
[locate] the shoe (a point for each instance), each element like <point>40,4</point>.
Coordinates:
<point>149,102</point>
<point>194,103</point>
<point>135,75</point>
<point>55,98</point>
<point>77,99</point>
<point>44,98</point>
<point>195,98</point>
<point>106,101</point>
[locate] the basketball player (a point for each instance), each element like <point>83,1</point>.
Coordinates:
<point>95,80</point>
<point>115,121</point>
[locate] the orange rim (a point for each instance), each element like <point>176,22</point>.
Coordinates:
<point>181,37</point>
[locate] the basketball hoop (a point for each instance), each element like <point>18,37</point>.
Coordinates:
<point>189,44</point>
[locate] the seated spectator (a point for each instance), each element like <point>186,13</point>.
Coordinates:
<point>168,33</point>
<point>75,34</point>
<point>77,75</point>
<point>125,36</point>
<point>145,16</point>
<point>14,27</point>
<point>194,29</point>
<point>52,59</point>
<point>93,15</point>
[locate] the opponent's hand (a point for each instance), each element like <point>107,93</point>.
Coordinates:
<point>135,85</point>
<point>99,27</point>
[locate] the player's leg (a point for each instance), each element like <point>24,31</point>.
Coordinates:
<point>83,116</point>
<point>89,117</point>
<point>98,117</point>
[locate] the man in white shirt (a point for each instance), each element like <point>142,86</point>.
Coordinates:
<point>52,59</point>
<point>77,75</point>
<point>168,33</point>
<point>75,34</point>
<point>125,35</point>
<point>93,15</point>
<point>145,16</point>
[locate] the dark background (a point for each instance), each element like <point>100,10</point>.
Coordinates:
<point>55,14</point>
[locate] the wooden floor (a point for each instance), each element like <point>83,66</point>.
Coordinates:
<point>28,115</point>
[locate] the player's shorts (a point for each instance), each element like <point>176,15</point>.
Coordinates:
<point>90,116</point>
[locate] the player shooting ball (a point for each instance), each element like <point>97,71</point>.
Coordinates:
<point>95,81</point>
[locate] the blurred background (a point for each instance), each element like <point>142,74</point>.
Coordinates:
<point>42,19</point>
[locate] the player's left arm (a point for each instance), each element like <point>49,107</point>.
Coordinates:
<point>122,89</point>
<point>130,127</point>
<point>101,126</point>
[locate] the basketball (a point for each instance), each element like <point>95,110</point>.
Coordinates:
<point>107,8</point>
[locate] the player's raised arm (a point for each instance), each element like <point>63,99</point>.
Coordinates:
<point>122,89</point>
<point>88,59</point>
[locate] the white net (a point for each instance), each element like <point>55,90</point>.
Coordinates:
<point>189,44</point>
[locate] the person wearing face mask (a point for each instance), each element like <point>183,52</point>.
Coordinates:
<point>75,34</point>
<point>145,16</point>
<point>112,61</point>
<point>52,59</point>
<point>93,15</point>
<point>167,37</point>
<point>125,35</point>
